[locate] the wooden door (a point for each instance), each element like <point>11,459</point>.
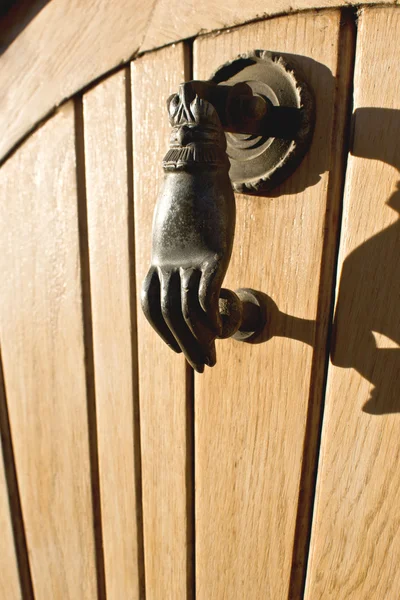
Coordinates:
<point>355,542</point>
<point>272,475</point>
<point>257,411</point>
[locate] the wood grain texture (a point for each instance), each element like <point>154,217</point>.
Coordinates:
<point>71,43</point>
<point>254,409</point>
<point>174,20</point>
<point>41,328</point>
<point>355,546</point>
<point>66,46</point>
<point>9,579</point>
<point>18,567</point>
<point>164,403</point>
<point>109,206</point>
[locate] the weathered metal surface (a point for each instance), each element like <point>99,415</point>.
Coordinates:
<point>265,156</point>
<point>270,119</point>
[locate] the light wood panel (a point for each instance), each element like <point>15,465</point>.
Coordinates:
<point>41,327</point>
<point>9,581</point>
<point>165,404</point>
<point>68,44</point>
<point>107,131</point>
<point>260,405</point>
<point>174,20</point>
<point>65,47</point>
<point>355,546</point>
<point>15,577</point>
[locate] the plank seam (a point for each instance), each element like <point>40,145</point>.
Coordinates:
<point>134,338</point>
<point>323,333</point>
<point>190,472</point>
<point>190,486</point>
<point>14,498</point>
<point>88,345</point>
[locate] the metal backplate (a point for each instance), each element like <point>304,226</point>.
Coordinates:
<point>261,162</point>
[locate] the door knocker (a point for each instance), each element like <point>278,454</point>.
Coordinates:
<point>244,130</point>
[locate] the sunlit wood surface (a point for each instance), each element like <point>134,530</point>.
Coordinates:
<point>70,43</point>
<point>355,544</point>
<point>258,408</point>
<point>43,346</point>
<point>122,477</point>
<point>163,391</point>
<point>107,133</point>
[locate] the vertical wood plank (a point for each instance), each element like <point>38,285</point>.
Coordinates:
<point>355,544</point>
<point>14,551</point>
<point>108,155</point>
<point>44,358</point>
<point>164,399</point>
<point>9,580</point>
<point>257,411</point>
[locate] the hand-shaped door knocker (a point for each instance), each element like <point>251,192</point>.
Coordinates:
<point>267,113</point>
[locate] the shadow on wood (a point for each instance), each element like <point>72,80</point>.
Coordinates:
<point>366,329</point>
<point>367,324</point>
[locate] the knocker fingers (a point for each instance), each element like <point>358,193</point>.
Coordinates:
<point>171,303</point>
<point>172,313</point>
<point>194,315</point>
<point>209,289</point>
<point>151,305</point>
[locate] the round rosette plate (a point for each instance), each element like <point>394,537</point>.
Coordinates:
<point>261,162</point>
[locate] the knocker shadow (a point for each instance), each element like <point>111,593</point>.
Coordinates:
<point>367,321</point>
<point>366,329</point>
